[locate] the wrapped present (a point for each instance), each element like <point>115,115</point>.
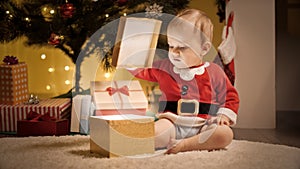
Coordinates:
<point>121,135</point>
<point>13,83</point>
<point>9,114</point>
<point>118,97</point>
<point>81,111</point>
<point>42,125</point>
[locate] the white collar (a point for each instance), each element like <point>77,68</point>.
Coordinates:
<point>188,74</point>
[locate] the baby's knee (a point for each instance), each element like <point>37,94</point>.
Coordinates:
<point>223,136</point>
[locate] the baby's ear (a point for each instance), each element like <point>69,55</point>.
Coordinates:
<point>205,48</point>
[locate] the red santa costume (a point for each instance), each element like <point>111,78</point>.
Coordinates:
<point>206,83</point>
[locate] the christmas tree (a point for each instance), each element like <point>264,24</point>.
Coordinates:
<point>67,24</point>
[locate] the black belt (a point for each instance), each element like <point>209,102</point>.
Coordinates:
<point>204,108</point>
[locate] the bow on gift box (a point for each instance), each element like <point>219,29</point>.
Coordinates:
<point>10,60</point>
<point>123,90</point>
<point>34,116</point>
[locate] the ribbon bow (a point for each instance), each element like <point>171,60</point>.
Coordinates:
<point>34,116</point>
<point>123,90</point>
<point>10,60</point>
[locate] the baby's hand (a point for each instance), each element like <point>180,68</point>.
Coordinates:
<point>220,120</point>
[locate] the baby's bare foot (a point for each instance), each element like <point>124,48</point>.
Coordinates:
<point>175,146</point>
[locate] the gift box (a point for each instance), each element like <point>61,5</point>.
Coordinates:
<point>136,42</point>
<point>10,114</point>
<point>121,135</point>
<point>42,128</point>
<point>13,83</point>
<point>118,97</point>
<point>81,111</point>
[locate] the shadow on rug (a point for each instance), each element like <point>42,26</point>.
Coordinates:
<point>73,152</point>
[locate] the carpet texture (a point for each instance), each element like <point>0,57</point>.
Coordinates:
<point>73,152</point>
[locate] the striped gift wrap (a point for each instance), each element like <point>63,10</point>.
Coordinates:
<point>59,108</point>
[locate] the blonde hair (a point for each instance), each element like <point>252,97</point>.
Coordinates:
<point>198,19</point>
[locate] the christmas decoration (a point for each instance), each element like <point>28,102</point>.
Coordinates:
<point>221,5</point>
<point>48,12</point>
<point>10,60</point>
<point>33,99</point>
<point>67,10</point>
<point>122,2</point>
<point>55,39</point>
<point>73,22</point>
<point>154,10</point>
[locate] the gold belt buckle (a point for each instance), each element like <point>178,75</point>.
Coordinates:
<point>188,107</point>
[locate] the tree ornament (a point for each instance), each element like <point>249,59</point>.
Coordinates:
<point>154,11</point>
<point>67,10</point>
<point>47,11</point>
<point>122,2</point>
<point>55,39</point>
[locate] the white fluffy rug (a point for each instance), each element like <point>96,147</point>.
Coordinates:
<point>73,152</point>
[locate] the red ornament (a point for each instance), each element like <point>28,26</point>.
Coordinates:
<point>54,39</point>
<point>122,2</point>
<point>67,10</point>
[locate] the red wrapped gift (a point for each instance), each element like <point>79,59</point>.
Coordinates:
<point>42,125</point>
<point>59,108</point>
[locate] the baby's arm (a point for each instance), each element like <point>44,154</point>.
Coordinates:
<point>221,119</point>
<point>149,74</point>
<point>227,97</point>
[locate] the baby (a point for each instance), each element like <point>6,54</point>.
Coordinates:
<point>198,103</point>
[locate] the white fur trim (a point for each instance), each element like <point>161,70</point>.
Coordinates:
<point>227,48</point>
<point>131,68</point>
<point>229,113</point>
<point>188,74</point>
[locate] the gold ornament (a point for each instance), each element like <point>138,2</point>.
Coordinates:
<point>48,12</point>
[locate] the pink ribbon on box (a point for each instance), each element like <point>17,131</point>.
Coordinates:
<point>119,90</point>
<point>123,90</point>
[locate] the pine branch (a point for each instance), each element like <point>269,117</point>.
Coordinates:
<point>88,17</point>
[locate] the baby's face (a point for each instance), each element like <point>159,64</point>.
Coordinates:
<point>184,48</point>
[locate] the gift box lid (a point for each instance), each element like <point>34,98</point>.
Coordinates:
<point>118,95</point>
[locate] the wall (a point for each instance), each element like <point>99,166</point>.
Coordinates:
<point>287,55</point>
<point>254,27</point>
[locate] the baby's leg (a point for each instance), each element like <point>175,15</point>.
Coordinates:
<point>164,133</point>
<point>219,139</point>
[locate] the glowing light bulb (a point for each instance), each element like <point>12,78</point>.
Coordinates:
<point>107,75</point>
<point>43,56</point>
<point>124,14</point>
<point>27,19</point>
<point>52,11</point>
<point>67,68</point>
<point>51,69</point>
<point>106,15</point>
<point>7,12</point>
<point>67,82</point>
<point>48,87</point>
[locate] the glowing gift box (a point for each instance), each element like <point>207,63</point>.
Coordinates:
<point>118,97</point>
<point>136,42</point>
<point>121,135</point>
